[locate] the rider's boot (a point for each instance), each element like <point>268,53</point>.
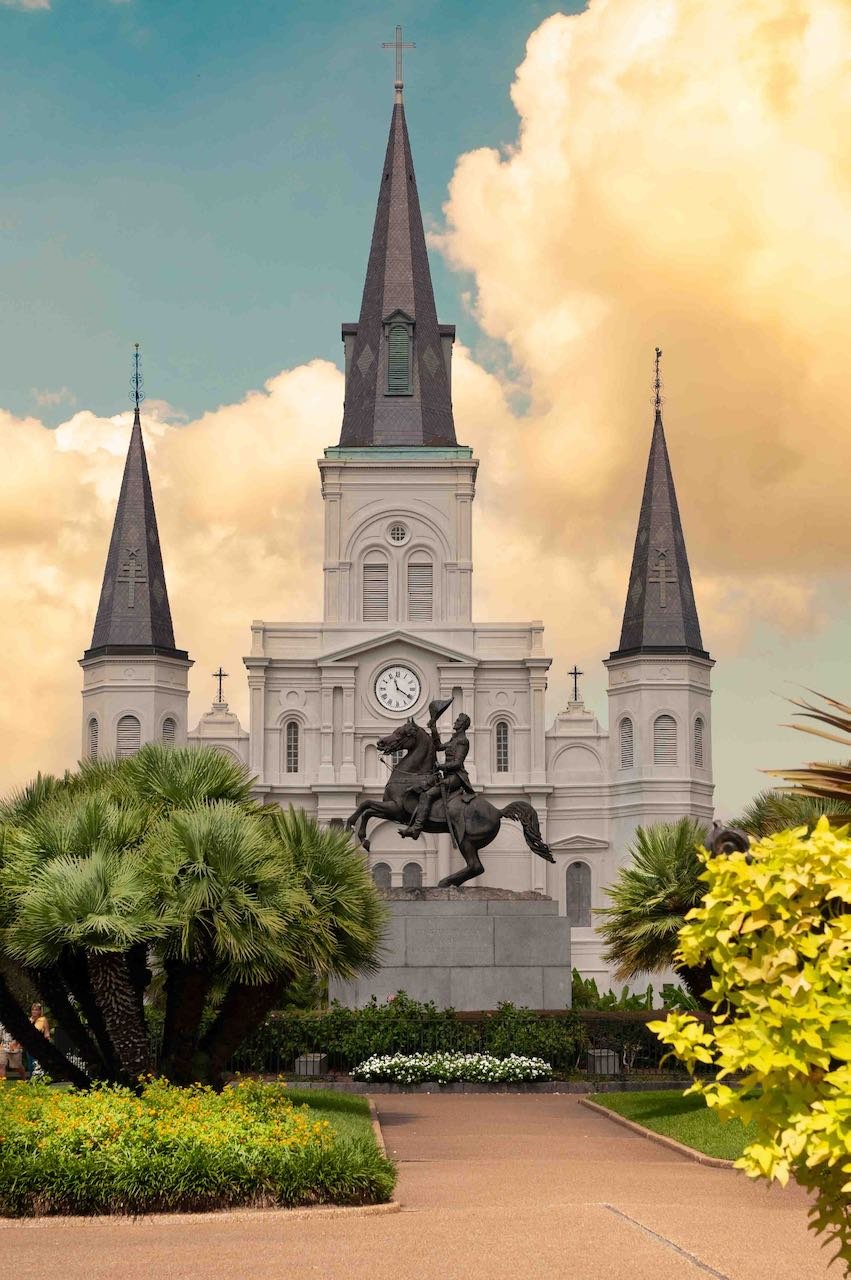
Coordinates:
<point>415,827</point>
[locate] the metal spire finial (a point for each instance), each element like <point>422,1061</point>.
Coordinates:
<point>574,675</point>
<point>219,676</point>
<point>137,395</point>
<point>657,383</point>
<point>398,44</point>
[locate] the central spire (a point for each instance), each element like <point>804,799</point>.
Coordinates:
<point>397,355</point>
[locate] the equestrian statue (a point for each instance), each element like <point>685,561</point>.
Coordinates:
<point>427,795</point>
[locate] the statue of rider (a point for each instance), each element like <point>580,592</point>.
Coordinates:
<point>450,776</point>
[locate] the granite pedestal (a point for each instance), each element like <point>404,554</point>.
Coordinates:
<point>469,949</point>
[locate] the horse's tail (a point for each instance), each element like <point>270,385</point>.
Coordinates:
<point>520,811</point>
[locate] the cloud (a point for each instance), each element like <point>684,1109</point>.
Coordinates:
<point>48,399</point>
<point>681,176</point>
<point>29,5</point>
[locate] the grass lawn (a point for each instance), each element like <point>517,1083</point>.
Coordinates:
<point>687,1120</point>
<point>347,1113</point>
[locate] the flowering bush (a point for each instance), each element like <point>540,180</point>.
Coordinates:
<point>110,1150</point>
<point>776,925</point>
<point>449,1068</point>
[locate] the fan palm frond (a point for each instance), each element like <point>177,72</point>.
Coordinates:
<point>824,780</point>
<point>652,896</point>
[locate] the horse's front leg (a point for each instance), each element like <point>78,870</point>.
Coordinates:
<point>371,809</point>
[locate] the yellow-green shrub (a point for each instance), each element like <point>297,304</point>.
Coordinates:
<point>774,924</point>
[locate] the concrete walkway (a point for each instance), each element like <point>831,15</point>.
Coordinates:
<point>505,1187</point>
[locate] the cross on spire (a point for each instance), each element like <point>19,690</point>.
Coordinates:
<point>131,573</point>
<point>662,573</point>
<point>657,383</point>
<point>398,44</point>
<point>220,676</point>
<point>574,675</point>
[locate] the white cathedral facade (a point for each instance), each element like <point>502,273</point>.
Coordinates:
<point>398,629</point>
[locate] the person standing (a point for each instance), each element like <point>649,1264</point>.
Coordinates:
<point>40,1022</point>
<point>11,1056</point>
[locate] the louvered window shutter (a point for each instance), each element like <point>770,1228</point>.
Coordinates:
<point>169,730</point>
<point>93,739</point>
<point>502,747</point>
<point>292,747</point>
<point>129,737</point>
<point>665,740</point>
<point>399,360</point>
<point>375,593</point>
<point>698,743</point>
<point>412,876</point>
<point>627,748</point>
<point>420,592</point>
<point>579,895</point>
<point>381,875</point>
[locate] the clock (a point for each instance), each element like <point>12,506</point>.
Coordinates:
<point>397,688</point>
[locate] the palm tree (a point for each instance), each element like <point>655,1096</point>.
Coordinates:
<point>826,780</point>
<point>230,899</point>
<point>167,857</point>
<point>80,904</point>
<point>650,900</point>
<point>336,934</point>
<point>771,811</point>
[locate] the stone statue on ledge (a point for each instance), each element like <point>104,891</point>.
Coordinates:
<point>428,796</point>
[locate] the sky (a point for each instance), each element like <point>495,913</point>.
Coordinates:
<point>595,181</point>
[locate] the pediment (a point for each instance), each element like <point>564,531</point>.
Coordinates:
<point>578,842</point>
<point>398,314</point>
<point>398,635</point>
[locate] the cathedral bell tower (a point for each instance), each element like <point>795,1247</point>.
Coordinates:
<point>398,489</point>
<point>659,687</point>
<point>135,686</point>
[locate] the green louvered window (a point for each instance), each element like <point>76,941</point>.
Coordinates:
<point>399,360</point>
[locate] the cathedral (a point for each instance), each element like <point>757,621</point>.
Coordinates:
<point>398,629</point>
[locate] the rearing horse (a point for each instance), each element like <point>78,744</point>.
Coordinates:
<point>475,823</point>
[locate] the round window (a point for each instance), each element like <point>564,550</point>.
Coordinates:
<point>398,533</point>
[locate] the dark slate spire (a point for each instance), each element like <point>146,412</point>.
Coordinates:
<point>398,284</point>
<point>133,614</point>
<point>660,614</point>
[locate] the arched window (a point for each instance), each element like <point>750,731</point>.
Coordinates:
<point>128,738</point>
<point>93,739</point>
<point>169,729</point>
<point>698,743</point>
<point>399,360</point>
<point>420,590</point>
<point>412,876</point>
<point>627,744</point>
<point>381,875</point>
<point>291,760</point>
<point>579,895</point>
<point>664,740</point>
<point>376,591</point>
<point>502,760</point>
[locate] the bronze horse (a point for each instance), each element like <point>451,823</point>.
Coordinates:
<point>475,823</point>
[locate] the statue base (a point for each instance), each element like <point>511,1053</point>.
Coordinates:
<point>469,949</point>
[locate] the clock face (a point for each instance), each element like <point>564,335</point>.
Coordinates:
<point>397,688</point>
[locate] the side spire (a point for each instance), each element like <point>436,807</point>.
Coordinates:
<point>133,614</point>
<point>397,355</point>
<point>660,614</point>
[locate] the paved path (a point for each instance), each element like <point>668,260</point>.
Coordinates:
<point>505,1187</point>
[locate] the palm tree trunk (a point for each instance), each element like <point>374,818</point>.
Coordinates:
<point>53,1061</point>
<point>697,980</point>
<point>78,980</point>
<point>241,1012</point>
<point>55,995</point>
<point>114,992</point>
<point>186,990</point>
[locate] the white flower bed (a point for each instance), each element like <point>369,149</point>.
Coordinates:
<point>450,1068</point>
